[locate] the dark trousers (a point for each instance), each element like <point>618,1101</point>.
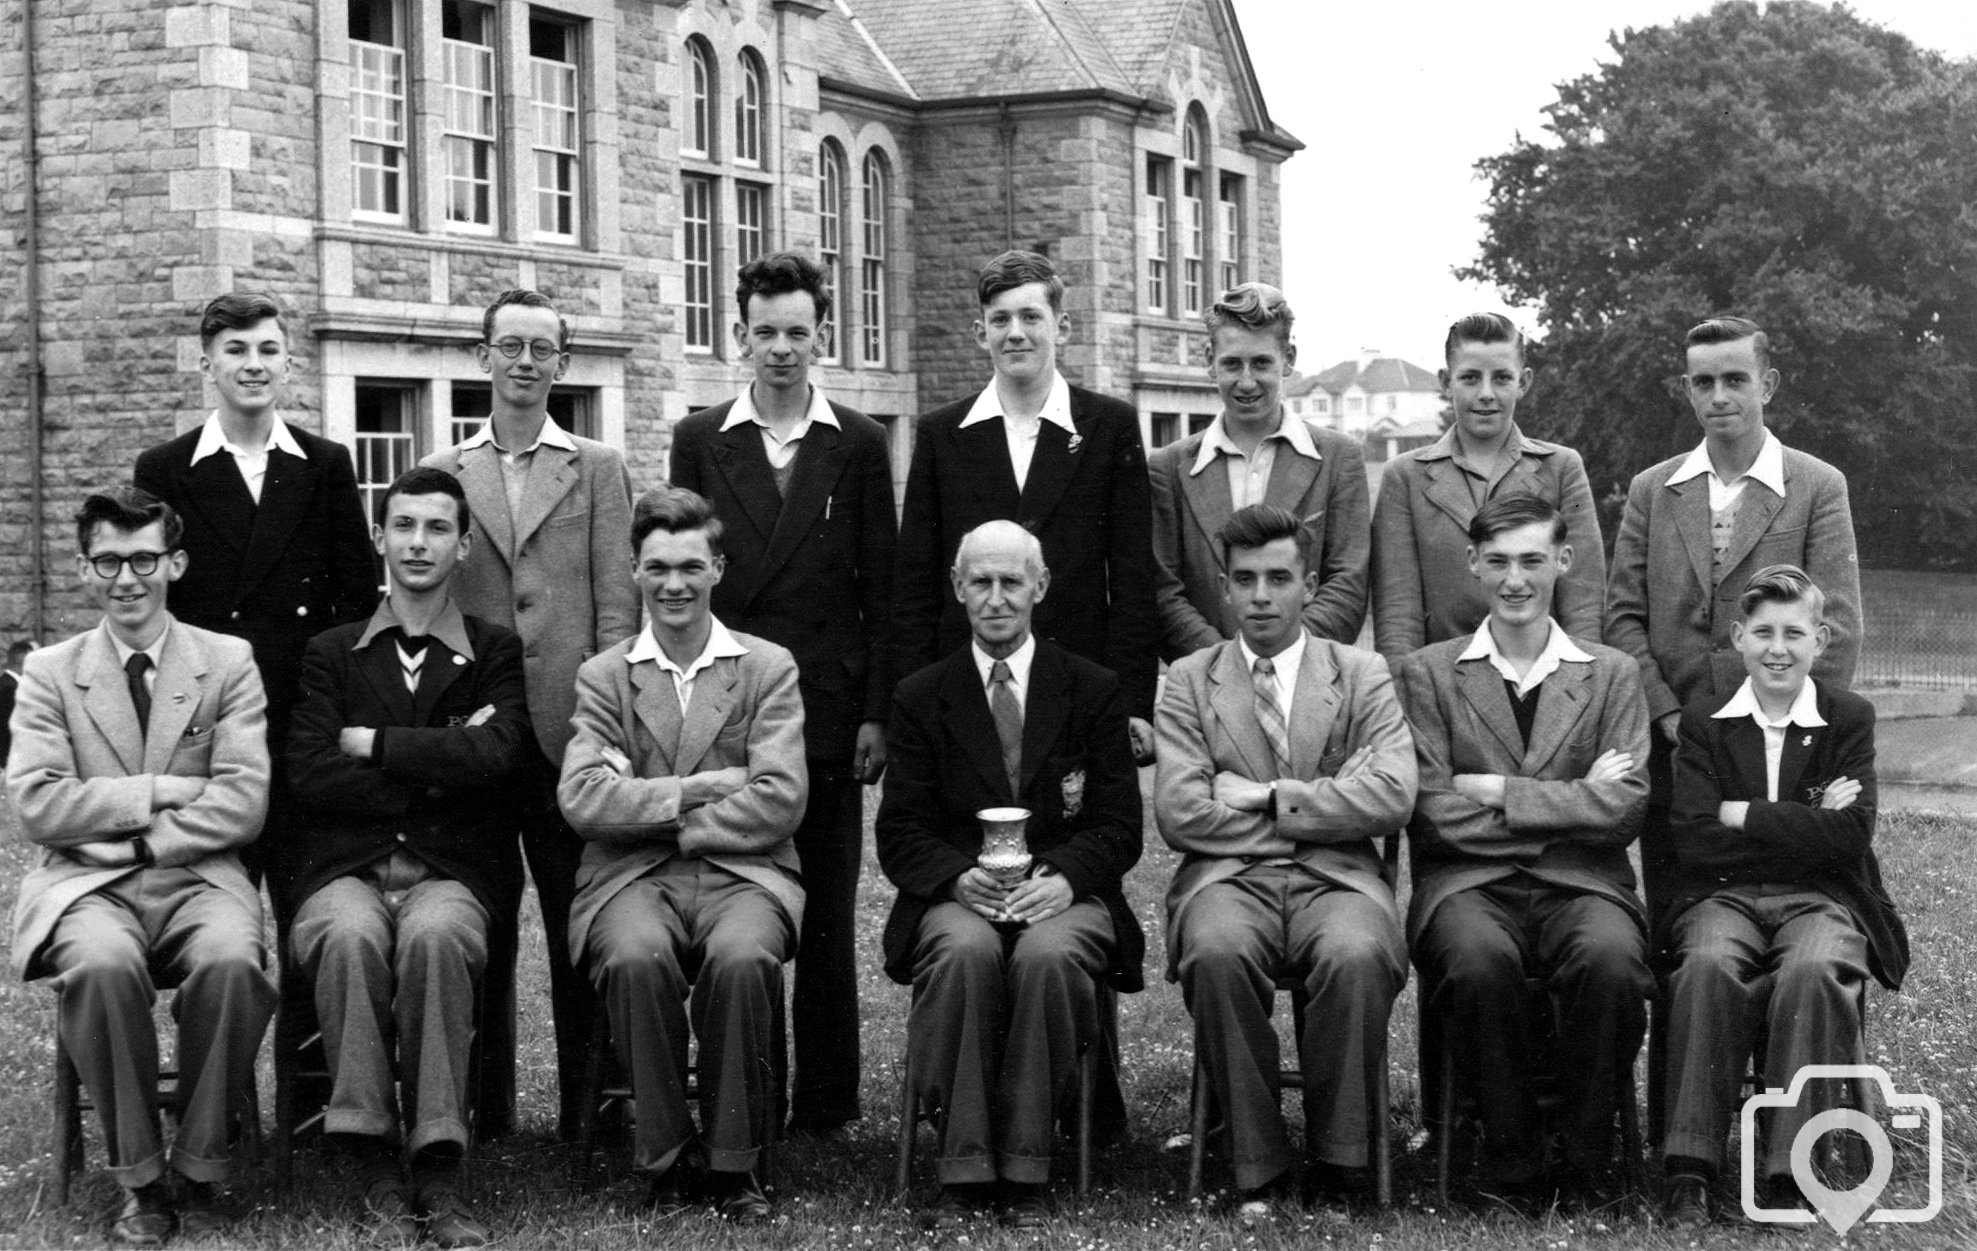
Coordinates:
<point>999,1014</point>
<point>824,1004</point>
<point>1474,956</point>
<point>1235,937</point>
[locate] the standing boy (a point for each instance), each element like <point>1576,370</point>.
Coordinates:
<point>1422,592</point>
<point>803,487</point>
<point>1775,913</point>
<point>139,768</point>
<point>1255,452</point>
<point>406,744</point>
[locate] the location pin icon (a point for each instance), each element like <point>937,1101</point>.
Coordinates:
<point>1842,1209</point>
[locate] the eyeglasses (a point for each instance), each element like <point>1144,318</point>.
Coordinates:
<point>539,349</point>
<point>143,564</point>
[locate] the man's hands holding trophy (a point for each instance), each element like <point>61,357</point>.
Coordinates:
<point>1006,885</point>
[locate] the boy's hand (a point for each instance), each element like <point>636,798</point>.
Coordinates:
<point>1612,765</point>
<point>616,761</point>
<point>1731,812</point>
<point>1838,794</point>
<point>1482,788</point>
<point>976,890</point>
<point>482,715</point>
<point>1233,790</point>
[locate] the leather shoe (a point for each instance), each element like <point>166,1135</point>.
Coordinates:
<point>448,1223</point>
<point>201,1210</point>
<point>1023,1207</point>
<point>741,1200</point>
<point>665,1192</point>
<point>146,1217</point>
<point>956,1207</point>
<point>1686,1202</point>
<point>389,1202</point>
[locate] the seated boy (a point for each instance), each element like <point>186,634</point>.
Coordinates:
<point>404,758</point>
<point>1775,912</point>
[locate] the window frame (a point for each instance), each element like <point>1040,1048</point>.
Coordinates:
<point>875,205</point>
<point>833,210</point>
<point>751,100</point>
<point>566,159</point>
<point>700,137</point>
<point>458,99</point>
<point>385,126</point>
<point>700,312</point>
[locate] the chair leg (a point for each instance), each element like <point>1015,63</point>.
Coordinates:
<point>593,1083</point>
<point>1445,1137</point>
<point>68,1122</point>
<point>1087,1092</point>
<point>284,1116</point>
<point>1630,1134</point>
<point>1381,1146</point>
<point>909,1115</point>
<point>1198,1120</point>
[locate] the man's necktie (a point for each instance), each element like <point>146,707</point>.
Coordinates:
<point>1008,724</point>
<point>1270,714</point>
<point>140,695</point>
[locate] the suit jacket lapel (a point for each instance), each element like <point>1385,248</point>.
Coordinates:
<point>713,699</point>
<point>285,495</point>
<point>1754,513</point>
<point>1208,498</point>
<point>1050,472</point>
<point>1692,522</point>
<point>969,723</point>
<point>659,708</point>
<point>1563,701</point>
<point>1314,707</point>
<point>1745,743</point>
<point>551,475</point>
<point>1800,743</point>
<point>984,461</point>
<point>746,467</point>
<point>1448,490</point>
<point>820,458</point>
<point>217,492</point>
<point>109,704</point>
<point>380,666</point>
<point>1482,688</point>
<point>443,666</point>
<point>480,476</point>
<point>174,698</point>
<point>1291,476</point>
<point>1233,698</point>
<point>1045,710</point>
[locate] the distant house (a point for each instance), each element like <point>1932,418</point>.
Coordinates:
<point>1356,396</point>
<point>1388,438</point>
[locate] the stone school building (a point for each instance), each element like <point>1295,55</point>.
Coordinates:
<point>385,167</point>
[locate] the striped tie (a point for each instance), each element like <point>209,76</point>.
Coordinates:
<point>1270,714</point>
<point>1008,724</point>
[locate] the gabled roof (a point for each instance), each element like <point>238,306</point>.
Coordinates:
<point>847,51</point>
<point>1299,385</point>
<point>1379,376</point>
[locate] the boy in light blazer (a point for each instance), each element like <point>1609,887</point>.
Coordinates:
<point>1776,913</point>
<point>1422,589</point>
<point>139,768</point>
<point>1533,755</point>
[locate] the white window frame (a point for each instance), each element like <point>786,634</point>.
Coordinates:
<point>1159,194</point>
<point>751,221</point>
<point>699,137</point>
<point>697,236</point>
<point>831,215</point>
<point>1230,199</point>
<point>472,130</point>
<point>556,132</point>
<point>380,155</point>
<point>875,203</point>
<point>751,90</point>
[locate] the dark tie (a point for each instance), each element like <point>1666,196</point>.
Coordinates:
<point>1008,724</point>
<point>1270,714</point>
<point>140,696</point>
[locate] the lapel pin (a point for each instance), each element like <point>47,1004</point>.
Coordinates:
<point>1806,741</point>
<point>458,659</point>
<point>1077,441</point>
<point>178,697</point>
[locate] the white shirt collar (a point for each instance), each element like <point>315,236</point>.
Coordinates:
<point>744,411</point>
<point>1056,409</point>
<point>213,438</point>
<point>720,644</point>
<point>1215,440</point>
<point>1768,469</point>
<point>1804,711</point>
<point>125,651</point>
<point>1558,649</point>
<point>1286,662</point>
<point>1019,662</point>
<point>551,433</point>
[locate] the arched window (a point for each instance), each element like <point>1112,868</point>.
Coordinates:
<point>831,214</point>
<point>748,111</point>
<point>872,289</point>
<point>697,136</point>
<point>1194,211</point>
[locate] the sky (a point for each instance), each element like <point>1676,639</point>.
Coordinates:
<point>1395,101</point>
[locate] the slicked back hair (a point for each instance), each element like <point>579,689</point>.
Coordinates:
<point>522,297</point>
<point>1253,306</point>
<point>1483,328</point>
<point>675,510</point>
<point>1509,512</point>
<point>428,480</point>
<point>17,651</point>
<point>1782,584</point>
<point>127,509</point>
<point>1729,330</point>
<point>1259,525</point>
<point>1017,268</point>
<point>237,310</point>
<point>783,273</point>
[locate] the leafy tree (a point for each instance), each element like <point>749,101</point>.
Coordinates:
<point>1799,166</point>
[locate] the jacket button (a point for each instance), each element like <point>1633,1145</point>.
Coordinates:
<point>302,610</point>
<point>234,615</point>
<point>401,838</point>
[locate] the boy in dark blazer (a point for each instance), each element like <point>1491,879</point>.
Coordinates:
<point>1005,976</point>
<point>1064,463</point>
<point>1532,747</point>
<point>1776,913</point>
<point>404,758</point>
<point>803,487</point>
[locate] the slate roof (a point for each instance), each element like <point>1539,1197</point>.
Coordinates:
<point>1379,376</point>
<point>846,51</point>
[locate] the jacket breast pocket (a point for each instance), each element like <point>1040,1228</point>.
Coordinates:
<point>1778,547</point>
<point>193,756</point>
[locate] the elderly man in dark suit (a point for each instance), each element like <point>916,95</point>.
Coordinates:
<point>404,754</point>
<point>1064,463</point>
<point>803,487</point>
<point>1255,452</point>
<point>686,778</point>
<point>1004,974</point>
<point>553,509</point>
<point>1282,756</point>
<point>139,768</point>
<point>1532,748</point>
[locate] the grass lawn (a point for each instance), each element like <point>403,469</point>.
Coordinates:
<point>838,1195</point>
